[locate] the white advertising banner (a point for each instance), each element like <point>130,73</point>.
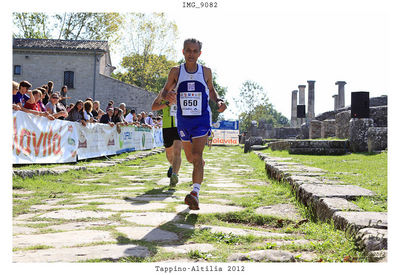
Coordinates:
<point>39,140</point>
<point>226,133</point>
<point>134,138</point>
<point>158,137</point>
<point>96,140</point>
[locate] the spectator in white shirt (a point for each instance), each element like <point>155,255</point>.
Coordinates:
<point>149,119</point>
<point>131,117</point>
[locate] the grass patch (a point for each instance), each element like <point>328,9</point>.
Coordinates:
<point>33,247</point>
<point>362,169</point>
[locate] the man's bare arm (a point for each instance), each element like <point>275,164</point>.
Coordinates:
<point>170,85</point>
<point>157,105</point>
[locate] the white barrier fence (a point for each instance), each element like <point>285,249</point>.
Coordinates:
<point>39,140</point>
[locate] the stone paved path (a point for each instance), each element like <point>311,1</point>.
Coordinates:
<point>145,220</point>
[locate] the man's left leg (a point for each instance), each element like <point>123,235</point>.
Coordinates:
<point>176,162</point>
<point>197,148</point>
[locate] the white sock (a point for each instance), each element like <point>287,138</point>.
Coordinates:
<point>196,188</point>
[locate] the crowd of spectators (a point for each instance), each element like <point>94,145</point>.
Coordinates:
<point>44,101</point>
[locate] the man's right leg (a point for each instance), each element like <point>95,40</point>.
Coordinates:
<point>196,148</point>
<point>187,148</point>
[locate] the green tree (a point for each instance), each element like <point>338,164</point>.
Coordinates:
<point>68,26</point>
<point>146,34</point>
<point>88,25</point>
<point>254,105</point>
<point>31,25</point>
<point>149,74</point>
<point>148,45</point>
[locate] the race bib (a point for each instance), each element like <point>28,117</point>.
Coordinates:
<point>191,103</point>
<point>172,110</point>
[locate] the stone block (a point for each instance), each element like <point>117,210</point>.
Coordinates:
<point>379,115</point>
<point>378,101</point>
<point>280,145</point>
<point>358,132</point>
<point>76,254</point>
<point>317,191</point>
<point>326,207</point>
<point>304,131</point>
<point>318,151</point>
<point>342,124</point>
<point>295,180</point>
<point>377,139</point>
<point>149,234</point>
<point>340,144</point>
<point>315,129</point>
<point>372,239</point>
<point>358,220</point>
<point>60,239</point>
<point>379,256</point>
<point>328,128</point>
<point>263,256</point>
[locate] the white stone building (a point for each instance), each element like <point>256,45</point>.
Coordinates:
<point>83,65</point>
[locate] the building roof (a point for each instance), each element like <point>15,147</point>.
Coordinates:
<point>58,44</point>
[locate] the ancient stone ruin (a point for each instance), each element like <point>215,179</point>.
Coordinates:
<point>363,134</point>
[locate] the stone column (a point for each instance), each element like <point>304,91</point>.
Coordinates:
<point>310,109</point>
<point>302,100</point>
<point>335,104</point>
<point>293,119</point>
<point>302,94</point>
<point>315,129</point>
<point>341,102</point>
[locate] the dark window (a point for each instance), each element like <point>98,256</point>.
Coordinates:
<point>17,70</point>
<point>69,79</point>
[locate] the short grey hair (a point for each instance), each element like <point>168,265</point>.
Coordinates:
<point>192,40</point>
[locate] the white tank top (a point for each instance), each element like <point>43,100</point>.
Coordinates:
<point>192,97</point>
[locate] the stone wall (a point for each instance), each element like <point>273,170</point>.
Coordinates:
<point>134,97</point>
<point>328,128</point>
<point>342,124</point>
<point>286,132</point>
<point>319,147</point>
<point>378,101</point>
<point>312,147</point>
<point>379,115</point>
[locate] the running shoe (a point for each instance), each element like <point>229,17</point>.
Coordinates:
<point>169,173</point>
<point>173,180</point>
<point>192,200</point>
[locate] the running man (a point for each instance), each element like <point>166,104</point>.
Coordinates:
<point>194,89</point>
<point>172,141</point>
